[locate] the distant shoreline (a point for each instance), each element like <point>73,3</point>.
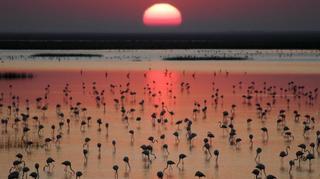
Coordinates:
<point>154,45</point>
<point>15,75</point>
<point>280,40</point>
<point>58,55</point>
<point>173,58</point>
<point>206,58</point>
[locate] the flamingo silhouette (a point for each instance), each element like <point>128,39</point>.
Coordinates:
<point>14,175</point>
<point>160,175</point>
<point>176,134</point>
<point>115,168</point>
<point>291,163</point>
<point>299,155</point>
<point>223,127</point>
<point>251,140</point>
<point>216,153</point>
<point>181,159</point>
<point>114,146</point>
<point>131,132</point>
<point>78,174</point>
<point>207,147</point>
<point>265,132</point>
<point>284,153</point>
<point>49,162</point>
<point>35,175</point>
<point>169,164</point>
<point>86,143</point>
<point>126,160</point>
<point>67,165</point>
<point>256,172</point>
<point>210,135</point>
<point>258,152</point>
<point>271,177</point>
<point>261,167</point>
<point>85,154</point>
<point>165,149</point>
<point>310,157</point>
<point>25,171</point>
<point>199,174</point>
<point>99,122</point>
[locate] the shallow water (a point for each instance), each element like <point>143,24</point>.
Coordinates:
<point>260,61</point>
<point>232,163</point>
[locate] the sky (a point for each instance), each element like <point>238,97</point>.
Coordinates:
<point>125,16</point>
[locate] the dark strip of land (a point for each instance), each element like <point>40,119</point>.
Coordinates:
<point>15,75</point>
<point>208,58</point>
<point>252,40</point>
<point>58,55</point>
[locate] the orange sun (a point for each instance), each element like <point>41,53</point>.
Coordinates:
<point>162,14</point>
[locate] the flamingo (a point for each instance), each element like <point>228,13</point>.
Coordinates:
<point>283,154</point>
<point>181,158</point>
<point>67,165</point>
<point>216,153</point>
<point>126,160</point>
<point>310,157</point>
<point>160,175</point>
<point>199,174</point>
<point>265,131</point>
<point>49,162</point>
<point>256,172</point>
<point>258,152</point>
<point>169,164</point>
<point>115,168</point>
<point>291,163</point>
<point>78,174</point>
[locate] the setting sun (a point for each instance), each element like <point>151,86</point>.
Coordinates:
<point>162,15</point>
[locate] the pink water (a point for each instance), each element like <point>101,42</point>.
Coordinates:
<point>232,163</point>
